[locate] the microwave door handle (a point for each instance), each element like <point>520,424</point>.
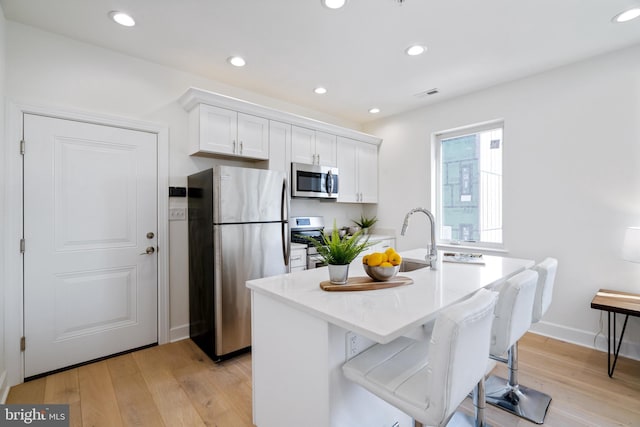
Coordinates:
<point>329,183</point>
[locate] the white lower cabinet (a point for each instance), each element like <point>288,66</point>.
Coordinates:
<point>358,168</point>
<point>298,258</point>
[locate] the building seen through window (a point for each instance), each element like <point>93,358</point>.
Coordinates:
<point>470,185</point>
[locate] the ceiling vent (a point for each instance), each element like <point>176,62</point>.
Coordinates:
<point>426,93</point>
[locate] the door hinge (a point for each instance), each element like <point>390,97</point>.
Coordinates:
<point>23,343</point>
<point>22,147</point>
<point>21,246</point>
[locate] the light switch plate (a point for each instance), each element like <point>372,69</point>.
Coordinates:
<point>177,214</point>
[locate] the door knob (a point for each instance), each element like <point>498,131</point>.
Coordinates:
<point>149,251</point>
<point>150,235</point>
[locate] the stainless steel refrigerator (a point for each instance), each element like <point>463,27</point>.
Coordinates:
<point>238,231</point>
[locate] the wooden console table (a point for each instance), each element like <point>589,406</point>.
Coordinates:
<point>616,302</point>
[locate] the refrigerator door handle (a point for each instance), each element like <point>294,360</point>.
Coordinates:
<point>284,216</point>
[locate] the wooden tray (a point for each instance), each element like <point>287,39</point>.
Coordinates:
<point>365,284</point>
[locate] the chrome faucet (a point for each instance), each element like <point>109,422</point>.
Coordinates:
<point>432,255</point>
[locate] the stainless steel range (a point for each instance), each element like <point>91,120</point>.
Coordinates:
<point>303,228</point>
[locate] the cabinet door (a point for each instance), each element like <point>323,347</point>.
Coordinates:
<point>303,145</point>
<point>218,128</point>
<point>253,137</point>
<point>326,149</point>
<point>348,186</point>
<point>367,159</point>
<point>280,147</point>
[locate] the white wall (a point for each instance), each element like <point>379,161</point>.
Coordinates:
<point>3,374</point>
<point>47,69</point>
<point>571,178</point>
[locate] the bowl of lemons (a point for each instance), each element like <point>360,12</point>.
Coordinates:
<point>382,266</point>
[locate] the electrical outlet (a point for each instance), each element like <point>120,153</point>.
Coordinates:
<point>177,214</point>
<point>353,344</point>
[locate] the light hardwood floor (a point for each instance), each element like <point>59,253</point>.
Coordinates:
<point>177,385</point>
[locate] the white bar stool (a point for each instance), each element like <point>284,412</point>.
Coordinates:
<point>508,394</point>
<point>428,379</point>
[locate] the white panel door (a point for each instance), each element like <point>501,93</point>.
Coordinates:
<point>90,217</point>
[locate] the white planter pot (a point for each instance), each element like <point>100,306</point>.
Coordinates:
<point>338,274</point>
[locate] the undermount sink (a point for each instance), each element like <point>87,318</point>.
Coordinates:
<point>407,266</point>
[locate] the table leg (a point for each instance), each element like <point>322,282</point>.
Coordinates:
<point>616,350</point>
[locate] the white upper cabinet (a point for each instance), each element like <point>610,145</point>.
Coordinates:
<point>221,125</point>
<point>280,147</point>
<point>358,168</point>
<point>253,136</point>
<point>313,147</point>
<point>216,130</point>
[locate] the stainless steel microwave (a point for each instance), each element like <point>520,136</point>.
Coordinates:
<point>314,181</point>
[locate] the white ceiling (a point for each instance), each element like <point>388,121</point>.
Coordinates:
<point>357,52</point>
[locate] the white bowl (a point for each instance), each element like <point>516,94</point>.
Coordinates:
<point>381,274</point>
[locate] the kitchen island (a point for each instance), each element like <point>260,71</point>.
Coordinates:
<point>301,336</point>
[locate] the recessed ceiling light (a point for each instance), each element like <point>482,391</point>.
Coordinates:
<point>414,50</point>
<point>122,18</point>
<point>320,90</point>
<point>627,15</point>
<point>236,61</point>
<point>374,110</point>
<point>334,4</point>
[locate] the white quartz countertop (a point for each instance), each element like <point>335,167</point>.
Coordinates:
<point>385,314</point>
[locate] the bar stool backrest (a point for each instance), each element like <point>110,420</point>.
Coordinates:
<point>458,352</point>
<point>544,291</point>
<point>512,311</point>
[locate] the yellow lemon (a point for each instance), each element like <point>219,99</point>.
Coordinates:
<point>386,264</point>
<point>365,259</point>
<point>385,257</point>
<point>395,259</point>
<point>389,252</point>
<point>375,259</point>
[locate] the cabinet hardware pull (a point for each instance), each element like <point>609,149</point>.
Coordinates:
<point>240,147</point>
<point>234,146</point>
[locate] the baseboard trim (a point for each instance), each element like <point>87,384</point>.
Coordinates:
<point>584,338</point>
<point>179,333</point>
<point>4,387</point>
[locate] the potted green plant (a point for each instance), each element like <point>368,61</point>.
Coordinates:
<point>365,223</point>
<point>338,252</point>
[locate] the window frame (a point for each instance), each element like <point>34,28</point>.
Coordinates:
<point>436,179</point>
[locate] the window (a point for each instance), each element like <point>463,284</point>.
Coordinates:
<point>469,185</point>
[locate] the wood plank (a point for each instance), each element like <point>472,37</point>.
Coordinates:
<point>99,403</point>
<point>173,404</point>
<point>221,393</point>
<point>30,392</point>
<point>63,387</point>
<point>137,407</point>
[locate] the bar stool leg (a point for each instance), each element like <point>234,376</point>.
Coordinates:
<point>460,419</point>
<point>509,395</point>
